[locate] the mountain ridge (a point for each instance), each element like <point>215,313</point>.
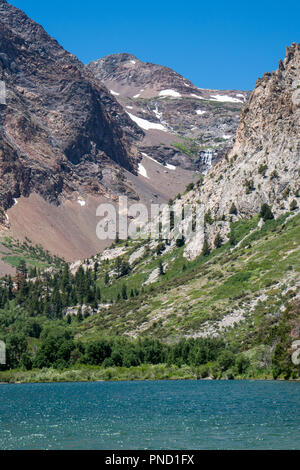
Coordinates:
<point>181,121</point>
<point>64,139</point>
<point>37,72</point>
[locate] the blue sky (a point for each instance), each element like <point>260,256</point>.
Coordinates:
<point>215,44</point>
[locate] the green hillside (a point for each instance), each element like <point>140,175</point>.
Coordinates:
<point>149,313</point>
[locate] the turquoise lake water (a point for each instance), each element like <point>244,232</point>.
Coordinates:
<point>151,415</point>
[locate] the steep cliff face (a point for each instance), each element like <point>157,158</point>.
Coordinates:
<point>264,164</point>
<point>265,161</point>
<point>59,127</point>
<point>181,122</point>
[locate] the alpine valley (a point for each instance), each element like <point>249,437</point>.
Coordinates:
<point>224,303</point>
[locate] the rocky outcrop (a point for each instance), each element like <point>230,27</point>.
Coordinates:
<point>60,127</point>
<point>264,164</point>
<point>265,161</point>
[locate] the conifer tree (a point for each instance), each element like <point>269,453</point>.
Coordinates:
<point>124,292</point>
<point>161,268</point>
<point>233,209</point>
<point>205,248</point>
<point>218,240</point>
<point>266,212</point>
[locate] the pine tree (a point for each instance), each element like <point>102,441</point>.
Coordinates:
<point>33,272</point>
<point>218,240</point>
<point>21,274</point>
<point>125,268</point>
<point>293,205</point>
<point>98,293</point>
<point>232,239</point>
<point>233,209</point>
<point>205,248</point>
<point>124,292</point>
<point>96,268</point>
<point>266,212</point>
<point>118,266</point>
<point>161,268</point>
<point>10,288</point>
<point>22,268</point>
<point>180,241</point>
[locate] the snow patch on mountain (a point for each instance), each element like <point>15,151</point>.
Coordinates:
<point>170,167</point>
<point>225,98</point>
<point>172,93</point>
<point>153,159</point>
<point>197,96</point>
<point>81,202</point>
<point>146,125</point>
<point>142,171</point>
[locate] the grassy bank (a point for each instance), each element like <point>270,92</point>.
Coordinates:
<point>94,373</point>
<point>143,372</point>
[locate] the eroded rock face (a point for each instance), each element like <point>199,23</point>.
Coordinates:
<point>198,119</point>
<point>264,164</point>
<point>60,127</point>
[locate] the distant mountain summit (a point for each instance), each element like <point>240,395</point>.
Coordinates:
<point>128,70</point>
<point>184,125</point>
<point>109,66</point>
<point>66,144</point>
<point>158,80</point>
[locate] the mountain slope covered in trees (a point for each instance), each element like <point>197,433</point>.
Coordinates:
<point>233,312</point>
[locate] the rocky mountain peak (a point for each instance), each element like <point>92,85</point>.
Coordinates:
<point>60,127</point>
<point>33,34</point>
<point>291,52</point>
<point>184,125</point>
<point>107,66</point>
<point>129,70</point>
<point>274,107</point>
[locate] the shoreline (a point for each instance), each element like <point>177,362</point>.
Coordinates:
<point>160,372</point>
<point>150,380</point>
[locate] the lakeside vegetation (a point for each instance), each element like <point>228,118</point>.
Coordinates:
<point>143,372</point>
<point>60,355</point>
<point>58,325</point>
